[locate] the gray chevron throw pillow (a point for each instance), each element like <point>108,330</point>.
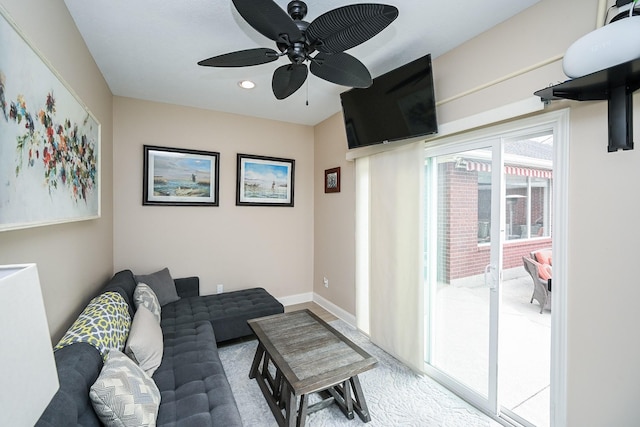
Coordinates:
<point>143,295</point>
<point>124,395</point>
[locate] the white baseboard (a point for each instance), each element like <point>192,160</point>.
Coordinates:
<point>296,299</point>
<point>342,314</point>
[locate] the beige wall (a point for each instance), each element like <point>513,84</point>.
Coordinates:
<point>334,225</point>
<point>237,246</point>
<point>603,314</point>
<point>539,33</point>
<point>603,292</point>
<point>75,258</point>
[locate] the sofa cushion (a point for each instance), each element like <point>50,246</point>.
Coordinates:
<point>188,286</point>
<point>144,296</point>
<point>228,312</point>
<point>124,283</point>
<point>123,395</point>
<point>162,284</point>
<point>78,368</point>
<point>144,345</point>
<point>192,382</point>
<point>104,323</point>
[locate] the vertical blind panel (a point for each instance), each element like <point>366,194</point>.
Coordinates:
<point>395,244</point>
<point>362,244</point>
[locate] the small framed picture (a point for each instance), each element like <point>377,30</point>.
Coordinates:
<point>264,181</point>
<point>332,180</point>
<point>178,177</point>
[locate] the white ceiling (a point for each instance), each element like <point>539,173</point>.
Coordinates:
<point>148,49</point>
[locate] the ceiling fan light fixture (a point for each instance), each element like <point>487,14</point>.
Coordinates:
<point>246,84</point>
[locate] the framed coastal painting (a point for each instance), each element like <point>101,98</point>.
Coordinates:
<point>49,141</point>
<point>264,181</point>
<point>179,177</point>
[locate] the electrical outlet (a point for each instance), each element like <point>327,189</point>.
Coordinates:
<point>326,282</point>
<point>220,288</point>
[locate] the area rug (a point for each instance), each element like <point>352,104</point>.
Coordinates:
<point>395,395</point>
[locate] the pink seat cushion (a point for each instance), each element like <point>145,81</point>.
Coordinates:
<point>544,257</point>
<point>544,271</point>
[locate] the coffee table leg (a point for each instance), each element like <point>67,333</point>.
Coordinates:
<point>360,404</point>
<point>302,411</point>
<point>347,399</point>
<point>341,394</point>
<point>256,361</point>
<point>289,403</point>
<point>277,387</point>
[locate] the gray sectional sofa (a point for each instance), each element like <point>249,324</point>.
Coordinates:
<point>193,387</point>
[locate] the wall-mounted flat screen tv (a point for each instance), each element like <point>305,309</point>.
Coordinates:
<point>398,105</point>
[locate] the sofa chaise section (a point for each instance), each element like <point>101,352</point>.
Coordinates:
<point>228,312</point>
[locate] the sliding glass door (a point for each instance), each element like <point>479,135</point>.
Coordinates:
<point>487,205</point>
<point>462,267</point>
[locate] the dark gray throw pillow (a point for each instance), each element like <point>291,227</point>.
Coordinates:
<point>162,284</point>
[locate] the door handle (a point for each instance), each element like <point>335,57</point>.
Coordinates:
<point>491,277</point>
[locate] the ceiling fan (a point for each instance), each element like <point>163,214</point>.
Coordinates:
<point>330,35</point>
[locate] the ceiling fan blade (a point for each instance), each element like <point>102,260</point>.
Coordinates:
<point>269,19</point>
<point>342,69</point>
<point>345,27</point>
<point>288,79</point>
<point>241,58</point>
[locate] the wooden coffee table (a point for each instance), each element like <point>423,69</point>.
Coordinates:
<point>299,354</point>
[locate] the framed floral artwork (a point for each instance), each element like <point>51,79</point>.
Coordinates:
<point>49,141</point>
<point>180,177</point>
<point>264,181</point>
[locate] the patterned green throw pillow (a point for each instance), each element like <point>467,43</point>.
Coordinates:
<point>104,324</point>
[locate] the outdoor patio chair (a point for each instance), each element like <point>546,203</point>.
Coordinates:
<point>540,291</point>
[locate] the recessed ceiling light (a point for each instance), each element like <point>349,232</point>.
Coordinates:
<point>246,84</point>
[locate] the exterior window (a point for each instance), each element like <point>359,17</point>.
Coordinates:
<point>484,207</point>
<point>527,207</point>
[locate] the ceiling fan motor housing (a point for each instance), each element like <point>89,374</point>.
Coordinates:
<point>297,51</point>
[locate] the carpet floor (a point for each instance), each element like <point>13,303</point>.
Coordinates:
<point>395,395</point>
